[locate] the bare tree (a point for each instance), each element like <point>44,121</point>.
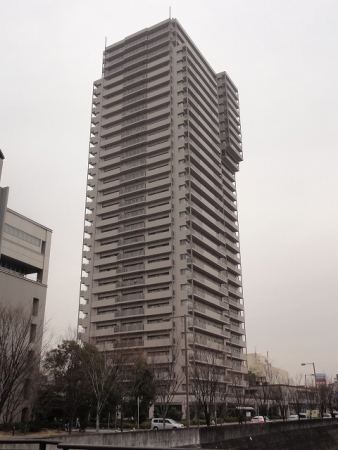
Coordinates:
<point>102,367</point>
<point>264,395</point>
<point>222,400</point>
<point>205,383</point>
<point>280,394</point>
<point>168,376</point>
<point>332,396</point>
<point>241,395</point>
<point>297,394</point>
<point>20,348</point>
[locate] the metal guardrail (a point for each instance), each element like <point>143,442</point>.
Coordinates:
<point>42,443</point>
<point>70,446</point>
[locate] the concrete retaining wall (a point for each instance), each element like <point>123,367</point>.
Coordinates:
<point>146,438</point>
<point>310,435</point>
<point>217,434</point>
<point>319,438</point>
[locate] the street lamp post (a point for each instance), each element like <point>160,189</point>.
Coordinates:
<point>308,375</point>
<point>185,316</point>
<point>186,370</point>
<point>314,371</point>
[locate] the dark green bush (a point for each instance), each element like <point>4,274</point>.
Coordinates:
<point>195,422</point>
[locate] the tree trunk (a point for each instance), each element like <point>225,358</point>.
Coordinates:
<point>207,415</point>
<point>97,428</point>
<point>71,418</point>
<point>121,419</point>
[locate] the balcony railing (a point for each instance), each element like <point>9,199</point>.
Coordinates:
<point>129,312</point>
<point>126,283</point>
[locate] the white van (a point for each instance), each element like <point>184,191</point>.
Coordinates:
<point>170,424</point>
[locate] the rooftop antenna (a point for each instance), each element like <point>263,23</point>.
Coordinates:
<point>170,12</point>
<point>104,55</point>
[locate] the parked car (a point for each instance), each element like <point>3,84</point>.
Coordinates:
<point>170,424</point>
<point>257,419</point>
<point>327,416</point>
<point>300,416</point>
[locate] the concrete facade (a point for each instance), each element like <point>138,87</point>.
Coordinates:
<point>161,236</point>
<point>24,262</point>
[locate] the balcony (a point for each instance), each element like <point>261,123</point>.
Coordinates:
<point>237,316</point>
<point>162,325</point>
<point>130,241</point>
<point>235,291</point>
<point>129,297</point>
<point>129,312</point>
<point>128,283</point>
<point>128,328</point>
<point>137,253</point>
<point>133,268</point>
<point>197,340</point>
<point>236,303</point>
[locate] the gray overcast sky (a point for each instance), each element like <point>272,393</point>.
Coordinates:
<point>282,55</point>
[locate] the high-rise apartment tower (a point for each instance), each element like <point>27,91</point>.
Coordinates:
<point>161,235</point>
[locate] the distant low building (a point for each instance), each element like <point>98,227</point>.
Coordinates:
<point>262,367</point>
<point>321,379</point>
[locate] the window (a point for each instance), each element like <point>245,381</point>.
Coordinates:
<point>180,115</point>
<point>184,287</point>
<point>183,228</point>
<point>22,235</point>
<point>32,333</point>
<point>182,200</point>
<point>183,214</point>
<point>160,274</point>
<point>26,388</point>
<point>181,138</point>
<point>181,161</point>
<point>181,174</point>
<point>180,104</point>
<point>181,149</point>
<point>184,271</point>
<point>159,336</point>
<point>183,256</point>
<point>182,187</point>
<point>183,242</point>
<point>159,289</point>
<point>158,305</point>
<point>35,307</point>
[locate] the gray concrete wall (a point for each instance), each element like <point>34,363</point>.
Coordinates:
<point>304,438</point>
<point>146,438</point>
<point>279,435</point>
